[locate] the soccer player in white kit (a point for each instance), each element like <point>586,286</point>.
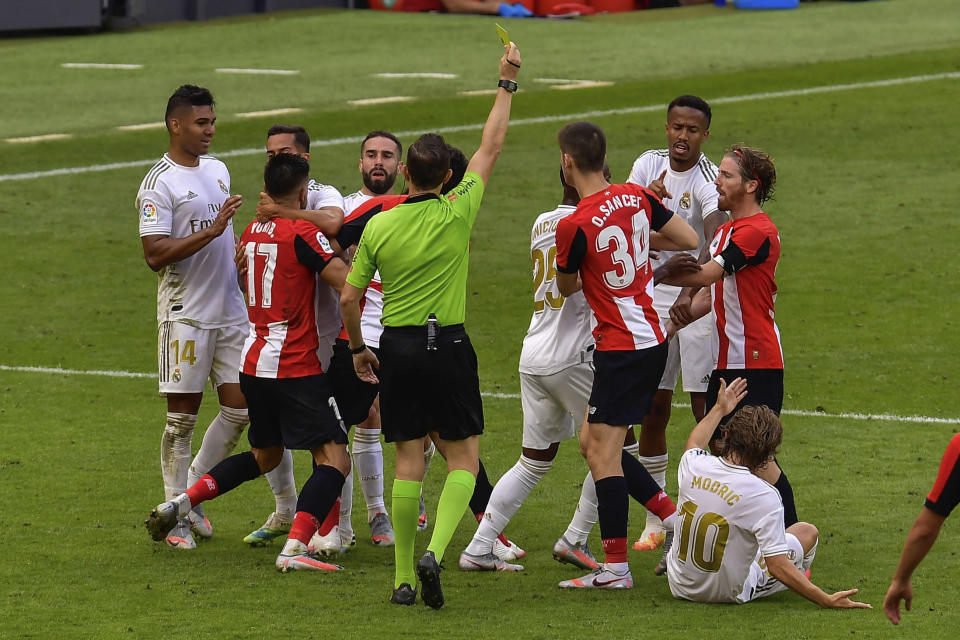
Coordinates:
<point>324,209</point>
<point>185,210</point>
<point>682,176</point>
<point>729,541</point>
<point>556,375</point>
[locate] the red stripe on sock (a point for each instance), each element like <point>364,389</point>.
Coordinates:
<point>332,519</point>
<point>303,527</point>
<point>203,489</point>
<point>502,538</point>
<point>661,505</point>
<point>615,549</point>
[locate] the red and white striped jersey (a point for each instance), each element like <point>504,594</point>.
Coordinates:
<point>607,239</point>
<point>747,337</point>
<point>283,258</point>
<point>371,306</point>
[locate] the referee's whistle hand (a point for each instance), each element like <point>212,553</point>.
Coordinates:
<point>510,62</point>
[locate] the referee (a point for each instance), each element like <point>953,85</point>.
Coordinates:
<point>428,375</point>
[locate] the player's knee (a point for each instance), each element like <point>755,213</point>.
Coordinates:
<point>236,417</point>
<point>268,458</point>
<point>180,425</point>
<point>806,533</point>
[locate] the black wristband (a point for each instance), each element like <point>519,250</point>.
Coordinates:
<point>509,85</point>
<point>359,349</point>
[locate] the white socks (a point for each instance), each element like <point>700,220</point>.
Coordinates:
<point>508,494</point>
<point>284,486</point>
<point>368,463</point>
<point>585,517</point>
<point>175,452</point>
<point>657,467</point>
<point>346,507</point>
<point>219,441</point>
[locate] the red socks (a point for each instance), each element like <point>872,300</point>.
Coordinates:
<point>203,489</point>
<point>661,505</point>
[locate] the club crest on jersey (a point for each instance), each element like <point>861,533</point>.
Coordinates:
<point>223,187</point>
<point>176,375</point>
<point>685,200</point>
<point>324,243</point>
<point>148,213</point>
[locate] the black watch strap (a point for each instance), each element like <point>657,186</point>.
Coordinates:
<point>359,349</point>
<point>509,85</point>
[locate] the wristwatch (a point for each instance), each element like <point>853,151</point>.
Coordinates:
<point>509,85</point>
<point>359,349</point>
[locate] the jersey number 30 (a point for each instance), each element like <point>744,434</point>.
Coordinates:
<point>703,538</point>
<point>268,250</point>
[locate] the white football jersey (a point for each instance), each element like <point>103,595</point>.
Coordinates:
<point>559,333</point>
<point>694,198</point>
<point>372,312</point>
<point>327,305</point>
<point>176,201</point>
<point>725,514</point>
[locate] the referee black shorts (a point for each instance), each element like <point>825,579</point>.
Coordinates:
<point>764,387</point>
<point>423,391</point>
<point>354,396</point>
<point>624,383</point>
<point>295,413</point>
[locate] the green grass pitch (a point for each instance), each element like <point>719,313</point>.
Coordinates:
<point>867,191</point>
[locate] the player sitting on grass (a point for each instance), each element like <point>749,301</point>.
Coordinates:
<point>729,541</point>
<point>291,402</point>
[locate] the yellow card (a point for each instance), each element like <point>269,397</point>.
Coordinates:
<point>504,36</point>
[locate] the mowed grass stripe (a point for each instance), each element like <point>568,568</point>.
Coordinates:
<point>952,75</point>
<point>887,417</point>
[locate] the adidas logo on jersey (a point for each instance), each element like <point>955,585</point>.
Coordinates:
<point>191,195</point>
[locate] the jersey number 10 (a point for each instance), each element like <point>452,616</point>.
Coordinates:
<point>708,534</point>
<point>268,250</point>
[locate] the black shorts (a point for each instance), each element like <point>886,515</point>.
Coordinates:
<point>296,413</point>
<point>624,383</point>
<point>423,391</point>
<point>764,387</point>
<point>354,396</point>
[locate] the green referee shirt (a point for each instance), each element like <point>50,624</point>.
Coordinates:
<point>421,248</point>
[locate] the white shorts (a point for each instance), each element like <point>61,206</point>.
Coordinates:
<point>760,583</point>
<point>690,353</point>
<point>554,405</point>
<point>188,356</point>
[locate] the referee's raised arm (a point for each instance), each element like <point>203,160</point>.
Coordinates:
<point>495,129</point>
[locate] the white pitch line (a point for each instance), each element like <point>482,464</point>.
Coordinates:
<point>439,76</point>
<point>99,65</point>
<point>268,112</point>
<point>952,75</point>
<point>886,417</point>
<point>140,127</point>
<point>384,100</point>
<point>272,72</point>
<point>478,92</point>
<point>43,138</point>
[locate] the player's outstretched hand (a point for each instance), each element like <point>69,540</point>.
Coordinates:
<point>267,209</point>
<point>841,600</point>
<point>659,188</point>
<point>364,363</point>
<point>891,602</point>
<point>681,313</point>
<point>728,397</point>
<point>510,62</point>
<point>679,265</point>
<point>227,211</point>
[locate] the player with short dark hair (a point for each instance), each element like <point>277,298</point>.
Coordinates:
<point>742,292</point>
<point>730,543</point>
<point>940,503</point>
<point>186,230</point>
<point>682,177</point>
<point>428,373</point>
<point>603,248</point>
<point>291,402</point>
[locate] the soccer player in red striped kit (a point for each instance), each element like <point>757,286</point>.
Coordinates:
<point>291,403</point>
<point>739,285</point>
<point>603,248</point>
